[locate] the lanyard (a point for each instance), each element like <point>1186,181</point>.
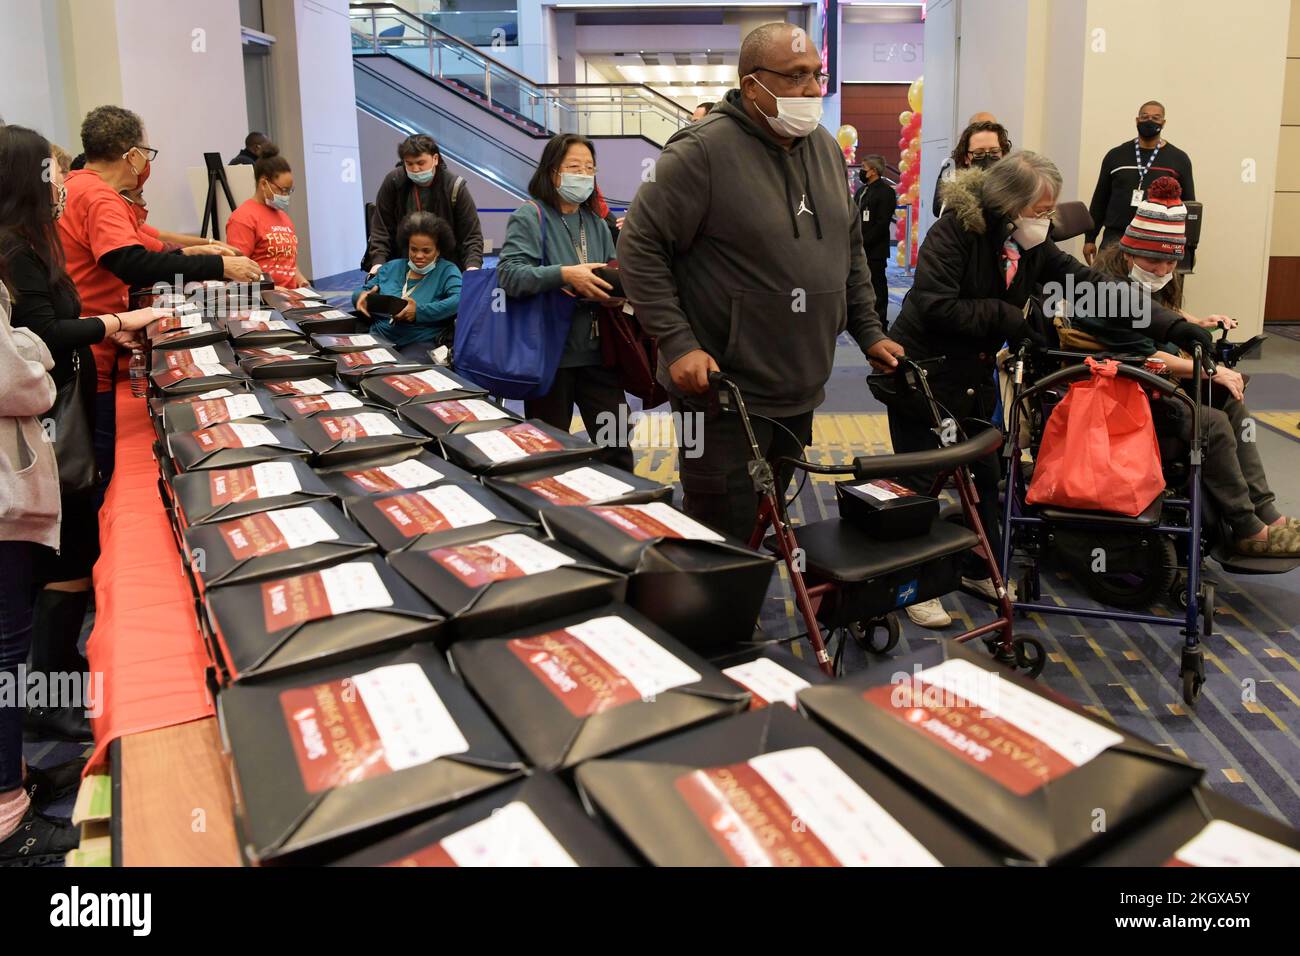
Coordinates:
<point>1137,158</point>
<point>581,242</point>
<point>407,288</point>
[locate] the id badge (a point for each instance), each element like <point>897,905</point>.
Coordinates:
<point>1137,197</point>
<point>866,215</point>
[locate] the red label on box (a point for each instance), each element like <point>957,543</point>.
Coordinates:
<point>452,412</point>
<point>748,820</point>
<point>556,493</point>
<point>476,564</point>
<point>235,484</point>
<point>413,515</point>
<point>308,404</point>
<point>333,736</point>
<point>252,537</point>
<point>995,747</point>
<point>357,359</point>
<point>531,438</point>
<point>210,412</point>
<point>430,856</point>
<point>216,437</point>
<point>262,355</point>
<point>284,388</point>
<point>584,681</point>
<point>179,373</point>
<point>342,427</point>
<point>635,522</point>
<point>291,601</point>
<point>372,480</point>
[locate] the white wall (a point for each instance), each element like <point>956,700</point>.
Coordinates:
<point>193,48</point>
<point>881,52</point>
<point>30,80</point>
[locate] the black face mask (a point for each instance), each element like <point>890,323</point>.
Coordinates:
<point>983,162</point>
<point>862,176</point>
<point>1149,129</point>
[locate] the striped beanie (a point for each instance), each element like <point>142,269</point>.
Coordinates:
<point>1159,226</point>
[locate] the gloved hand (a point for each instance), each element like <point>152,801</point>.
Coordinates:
<point>1020,330</point>
<point>1187,335</point>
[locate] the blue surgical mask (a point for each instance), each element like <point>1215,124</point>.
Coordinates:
<point>280,202</point>
<point>422,270</point>
<point>421,178</point>
<point>575,187</point>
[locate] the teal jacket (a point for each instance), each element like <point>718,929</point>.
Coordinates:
<point>520,270</point>
<point>437,298</point>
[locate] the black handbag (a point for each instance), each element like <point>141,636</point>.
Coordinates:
<point>74,441</point>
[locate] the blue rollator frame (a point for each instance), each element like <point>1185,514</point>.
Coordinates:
<point>1017,514</point>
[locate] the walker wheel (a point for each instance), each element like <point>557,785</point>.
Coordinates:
<point>1207,609</point>
<point>864,633</point>
<point>1191,686</point>
<point>1031,656</point>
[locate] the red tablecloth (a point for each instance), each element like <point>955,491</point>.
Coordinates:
<point>146,640</point>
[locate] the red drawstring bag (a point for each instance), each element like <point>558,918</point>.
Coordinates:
<point>1099,451</point>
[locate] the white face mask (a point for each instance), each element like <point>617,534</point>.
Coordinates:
<point>1150,280</point>
<point>1030,231</point>
<point>795,115</point>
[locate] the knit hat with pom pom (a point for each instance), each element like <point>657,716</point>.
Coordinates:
<point>1159,226</point>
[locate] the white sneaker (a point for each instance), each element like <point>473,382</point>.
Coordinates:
<point>929,614</point>
<point>985,587</point>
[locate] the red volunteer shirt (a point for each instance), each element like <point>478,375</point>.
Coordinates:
<point>267,237</point>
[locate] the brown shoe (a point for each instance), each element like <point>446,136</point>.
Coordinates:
<point>1283,541</point>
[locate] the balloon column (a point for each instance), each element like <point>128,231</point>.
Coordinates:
<point>909,167</point>
<point>847,137</point>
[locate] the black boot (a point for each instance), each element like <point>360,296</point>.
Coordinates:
<point>57,620</point>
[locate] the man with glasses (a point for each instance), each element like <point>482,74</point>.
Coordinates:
<point>743,253</point>
<point>1127,171</point>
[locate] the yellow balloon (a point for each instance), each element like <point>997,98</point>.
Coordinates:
<point>847,136</point>
<point>915,94</point>
<point>902,165</point>
<point>904,117</point>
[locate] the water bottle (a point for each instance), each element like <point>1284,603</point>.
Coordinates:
<point>139,374</point>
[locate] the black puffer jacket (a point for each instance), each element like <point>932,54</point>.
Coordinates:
<point>444,199</point>
<point>959,304</point>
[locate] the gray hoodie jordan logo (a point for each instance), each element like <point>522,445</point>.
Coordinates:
<point>803,206</point>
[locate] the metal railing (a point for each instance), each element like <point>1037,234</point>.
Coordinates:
<point>610,109</point>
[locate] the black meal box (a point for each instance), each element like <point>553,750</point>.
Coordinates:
<point>159,404</point>
<point>534,822</point>
<point>295,407</point>
<point>217,298</point>
<point>221,493</point>
<point>184,332</point>
<point>323,319</point>
<point>457,416</point>
<point>487,586</point>
<point>1206,829</point>
<point>704,588</point>
<point>439,516</point>
<point>286,301</point>
<point>405,471</point>
<point>590,684</point>
<point>273,544</point>
<point>203,413</point>
<point>188,379</point>
<point>308,385</point>
<point>349,436</point>
<point>519,447</point>
<point>217,353</point>
<point>355,607</point>
<point>341,344</point>
<point>885,509</point>
<point>283,361</point>
<point>768,788</point>
<point>234,444</point>
<point>378,304</point>
<point>328,761</point>
<point>773,675</point>
<point>427,385</point>
<point>584,483</point>
<point>263,329</point>
<point>1028,769</point>
<point>353,367</point>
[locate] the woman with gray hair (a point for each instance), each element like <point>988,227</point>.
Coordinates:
<point>979,265</point>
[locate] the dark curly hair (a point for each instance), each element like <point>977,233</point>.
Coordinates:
<point>983,126</point>
<point>269,163</point>
<point>426,224</point>
<point>109,131</point>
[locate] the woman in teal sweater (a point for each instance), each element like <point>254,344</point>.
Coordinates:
<point>577,242</point>
<point>426,279</point>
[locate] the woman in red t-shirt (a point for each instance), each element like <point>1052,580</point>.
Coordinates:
<point>261,228</point>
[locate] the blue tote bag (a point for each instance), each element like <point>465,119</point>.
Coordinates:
<point>511,345</point>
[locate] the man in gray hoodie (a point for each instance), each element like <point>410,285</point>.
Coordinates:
<point>743,253</point>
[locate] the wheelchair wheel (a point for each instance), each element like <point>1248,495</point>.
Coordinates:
<point>1207,610</point>
<point>864,633</point>
<point>1137,583</point>
<point>1031,656</point>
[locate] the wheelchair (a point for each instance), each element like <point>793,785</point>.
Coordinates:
<point>850,584</point>
<point>1147,557</point>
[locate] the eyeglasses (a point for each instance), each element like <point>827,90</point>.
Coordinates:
<point>579,170</point>
<point>278,191</point>
<point>150,153</point>
<point>985,154</point>
<point>799,79</point>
